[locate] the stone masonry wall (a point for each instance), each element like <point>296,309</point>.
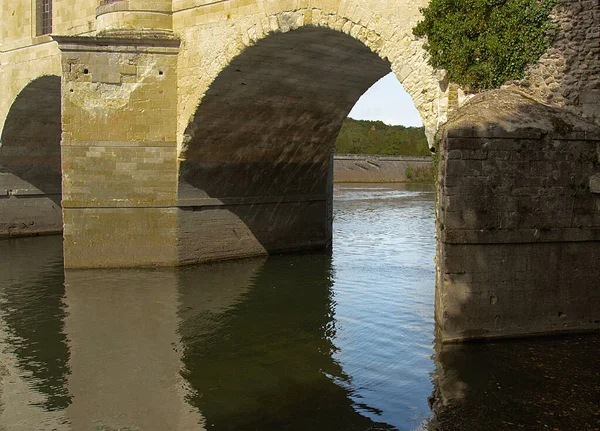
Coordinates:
<point>568,75</point>
<point>18,19</point>
<point>214,32</point>
<point>518,221</point>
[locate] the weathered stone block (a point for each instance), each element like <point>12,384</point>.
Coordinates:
<point>595,183</point>
<point>119,237</point>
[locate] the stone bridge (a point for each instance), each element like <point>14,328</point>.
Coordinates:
<point>167,132</point>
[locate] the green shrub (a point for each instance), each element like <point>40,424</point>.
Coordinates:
<point>485,43</point>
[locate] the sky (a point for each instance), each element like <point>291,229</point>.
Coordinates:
<point>387,101</point>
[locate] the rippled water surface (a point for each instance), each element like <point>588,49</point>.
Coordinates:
<point>309,341</point>
<point>295,342</point>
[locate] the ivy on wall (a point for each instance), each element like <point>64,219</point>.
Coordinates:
<point>485,43</point>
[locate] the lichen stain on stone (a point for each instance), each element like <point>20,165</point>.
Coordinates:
<point>99,98</point>
<point>561,126</point>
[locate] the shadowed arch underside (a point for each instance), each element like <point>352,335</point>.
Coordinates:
<point>30,166</point>
<point>260,143</point>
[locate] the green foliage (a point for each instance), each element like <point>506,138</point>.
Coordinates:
<point>485,43</point>
<point>376,137</point>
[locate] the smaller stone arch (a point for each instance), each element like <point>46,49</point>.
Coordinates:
<point>30,161</point>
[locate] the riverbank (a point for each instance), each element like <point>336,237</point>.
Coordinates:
<point>370,168</point>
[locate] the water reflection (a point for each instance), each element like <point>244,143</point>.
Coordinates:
<point>384,289</point>
<point>236,345</point>
<point>34,353</point>
<point>529,384</point>
<point>125,353</point>
<point>261,356</point>
<point>308,342</point>
<point>288,342</point>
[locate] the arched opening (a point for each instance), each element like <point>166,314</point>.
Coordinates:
<point>256,177</point>
<point>257,154</point>
<point>383,139</point>
<point>389,102</point>
<point>30,166</point>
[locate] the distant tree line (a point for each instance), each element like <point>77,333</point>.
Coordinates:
<point>376,137</point>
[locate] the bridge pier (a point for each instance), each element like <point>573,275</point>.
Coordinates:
<point>518,220</point>
<point>119,150</point>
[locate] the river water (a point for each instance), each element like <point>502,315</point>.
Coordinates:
<point>341,341</point>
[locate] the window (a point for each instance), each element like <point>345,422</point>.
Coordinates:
<point>44,17</point>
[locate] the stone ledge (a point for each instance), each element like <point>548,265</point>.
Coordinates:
<point>424,159</point>
<point>27,193</point>
<point>496,132</point>
<point>595,183</point>
<point>252,200</point>
<point>515,334</point>
<point>120,144</point>
<point>150,41</point>
<point>107,204</point>
<point>519,236</point>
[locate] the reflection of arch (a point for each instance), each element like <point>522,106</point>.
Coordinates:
<point>260,356</point>
<point>32,321</point>
<point>30,167</point>
<point>261,139</point>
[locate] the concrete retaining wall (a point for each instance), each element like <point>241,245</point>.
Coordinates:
<point>368,168</point>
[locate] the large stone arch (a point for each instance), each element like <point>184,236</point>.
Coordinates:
<point>30,160</point>
<point>261,140</point>
<point>230,35</point>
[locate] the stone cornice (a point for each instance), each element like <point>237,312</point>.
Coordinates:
<point>160,42</point>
